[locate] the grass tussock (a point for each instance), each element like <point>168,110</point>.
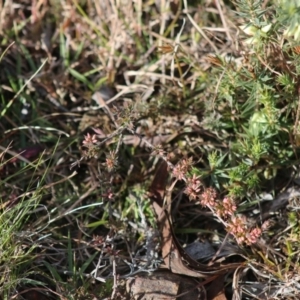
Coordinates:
<point>94,95</point>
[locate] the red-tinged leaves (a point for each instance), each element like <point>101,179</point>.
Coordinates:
<point>175,257</point>
<point>30,153</point>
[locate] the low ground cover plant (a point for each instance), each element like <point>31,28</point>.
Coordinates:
<point>114,113</point>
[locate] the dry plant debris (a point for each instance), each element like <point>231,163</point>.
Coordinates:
<point>132,129</point>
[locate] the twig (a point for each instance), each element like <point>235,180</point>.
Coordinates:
<point>115,278</point>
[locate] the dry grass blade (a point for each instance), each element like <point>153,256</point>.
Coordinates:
<point>198,28</point>
<point>214,60</point>
<point>22,88</point>
<point>220,106</point>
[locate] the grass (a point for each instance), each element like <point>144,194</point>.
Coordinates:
<point>95,94</point>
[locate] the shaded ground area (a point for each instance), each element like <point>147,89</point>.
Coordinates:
<point>149,149</point>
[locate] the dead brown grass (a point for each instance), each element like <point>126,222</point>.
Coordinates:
<point>139,75</point>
